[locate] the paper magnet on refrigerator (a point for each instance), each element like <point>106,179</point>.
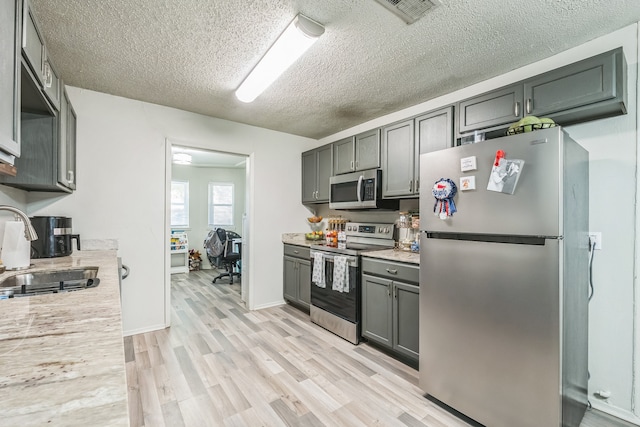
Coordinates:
<point>505,174</point>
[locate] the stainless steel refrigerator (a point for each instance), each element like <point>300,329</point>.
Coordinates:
<point>504,282</point>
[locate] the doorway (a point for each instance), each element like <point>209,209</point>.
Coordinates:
<point>205,190</point>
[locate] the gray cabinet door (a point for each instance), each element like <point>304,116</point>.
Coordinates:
<point>398,160</point>
<point>290,286</point>
<point>376,310</point>
<point>434,131</point>
<point>33,43</point>
<point>586,82</point>
<point>52,84</point>
<point>71,145</point>
<point>325,168</point>
<point>367,150</point>
<point>304,282</point>
<point>309,176</point>
<point>10,82</point>
<point>406,321</point>
<point>343,156</point>
<point>495,108</point>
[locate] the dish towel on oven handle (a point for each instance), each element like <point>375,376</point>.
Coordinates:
<point>340,274</point>
<point>317,277</point>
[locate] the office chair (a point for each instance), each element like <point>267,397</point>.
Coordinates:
<point>228,258</point>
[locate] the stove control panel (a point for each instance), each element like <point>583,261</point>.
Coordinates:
<point>384,231</point>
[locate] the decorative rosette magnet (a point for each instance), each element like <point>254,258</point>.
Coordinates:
<point>444,191</point>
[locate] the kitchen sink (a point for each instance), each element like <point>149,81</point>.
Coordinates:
<point>49,281</point>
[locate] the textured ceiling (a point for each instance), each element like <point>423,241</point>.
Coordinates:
<point>193,54</point>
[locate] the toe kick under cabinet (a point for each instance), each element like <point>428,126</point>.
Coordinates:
<point>390,306</point>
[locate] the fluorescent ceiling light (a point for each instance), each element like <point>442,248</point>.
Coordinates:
<point>301,33</point>
<point>182,158</point>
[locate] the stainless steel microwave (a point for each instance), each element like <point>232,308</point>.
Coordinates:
<point>359,190</point>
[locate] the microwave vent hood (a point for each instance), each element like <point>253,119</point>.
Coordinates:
<point>409,10</point>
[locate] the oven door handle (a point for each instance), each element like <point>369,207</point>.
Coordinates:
<point>360,185</point>
<point>351,260</point>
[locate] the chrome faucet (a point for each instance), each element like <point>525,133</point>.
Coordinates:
<point>29,232</point>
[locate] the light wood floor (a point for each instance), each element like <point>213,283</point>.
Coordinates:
<point>222,365</point>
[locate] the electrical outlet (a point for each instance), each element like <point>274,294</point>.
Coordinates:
<point>597,237</point>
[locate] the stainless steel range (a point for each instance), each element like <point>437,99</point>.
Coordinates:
<point>335,281</point>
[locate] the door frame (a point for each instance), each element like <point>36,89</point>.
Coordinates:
<point>246,288</point>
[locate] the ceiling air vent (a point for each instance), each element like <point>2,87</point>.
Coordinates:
<point>409,10</point>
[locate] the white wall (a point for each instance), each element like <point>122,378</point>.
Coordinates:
<point>121,192</point>
<point>199,179</point>
<point>612,146</point>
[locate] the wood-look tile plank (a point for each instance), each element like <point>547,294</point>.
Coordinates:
<point>220,365</point>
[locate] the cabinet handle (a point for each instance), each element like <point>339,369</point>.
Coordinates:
<point>389,290</point>
<point>351,165</point>
<point>392,271</point>
<point>411,186</point>
<point>417,185</point>
<point>70,174</point>
<point>357,164</point>
<point>296,252</point>
<point>529,106</point>
<point>395,293</point>
<point>516,109</point>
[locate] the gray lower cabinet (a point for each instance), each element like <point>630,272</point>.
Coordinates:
<point>316,170</point>
<point>390,306</point>
<point>402,144</point>
<point>10,83</point>
<point>360,152</point>
<point>297,276</point>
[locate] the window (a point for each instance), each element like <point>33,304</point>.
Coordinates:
<point>180,203</point>
<point>220,204</point>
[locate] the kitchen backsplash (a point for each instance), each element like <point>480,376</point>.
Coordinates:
<point>377,215</point>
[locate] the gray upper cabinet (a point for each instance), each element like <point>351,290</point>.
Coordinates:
<point>586,90</point>
<point>67,144</point>
<point>10,26</point>
<point>316,171</point>
<point>499,107</point>
<point>343,154</point>
<point>48,161</point>
<point>367,150</point>
<point>33,43</point>
<point>398,159</point>
<point>591,88</point>
<point>52,84</point>
<point>357,153</point>
<point>402,144</point>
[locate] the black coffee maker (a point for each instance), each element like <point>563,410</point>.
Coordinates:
<point>54,237</point>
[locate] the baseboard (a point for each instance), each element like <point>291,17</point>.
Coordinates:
<point>615,411</point>
<point>143,330</point>
<point>270,304</point>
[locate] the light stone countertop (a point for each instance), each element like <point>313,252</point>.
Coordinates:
<point>297,239</point>
<point>62,355</point>
<point>394,255</point>
<point>388,254</point>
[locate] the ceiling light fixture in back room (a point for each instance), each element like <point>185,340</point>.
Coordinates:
<point>301,33</point>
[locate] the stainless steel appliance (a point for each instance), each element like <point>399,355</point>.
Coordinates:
<point>359,190</point>
<point>504,283</point>
<point>55,237</point>
<point>333,308</point>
